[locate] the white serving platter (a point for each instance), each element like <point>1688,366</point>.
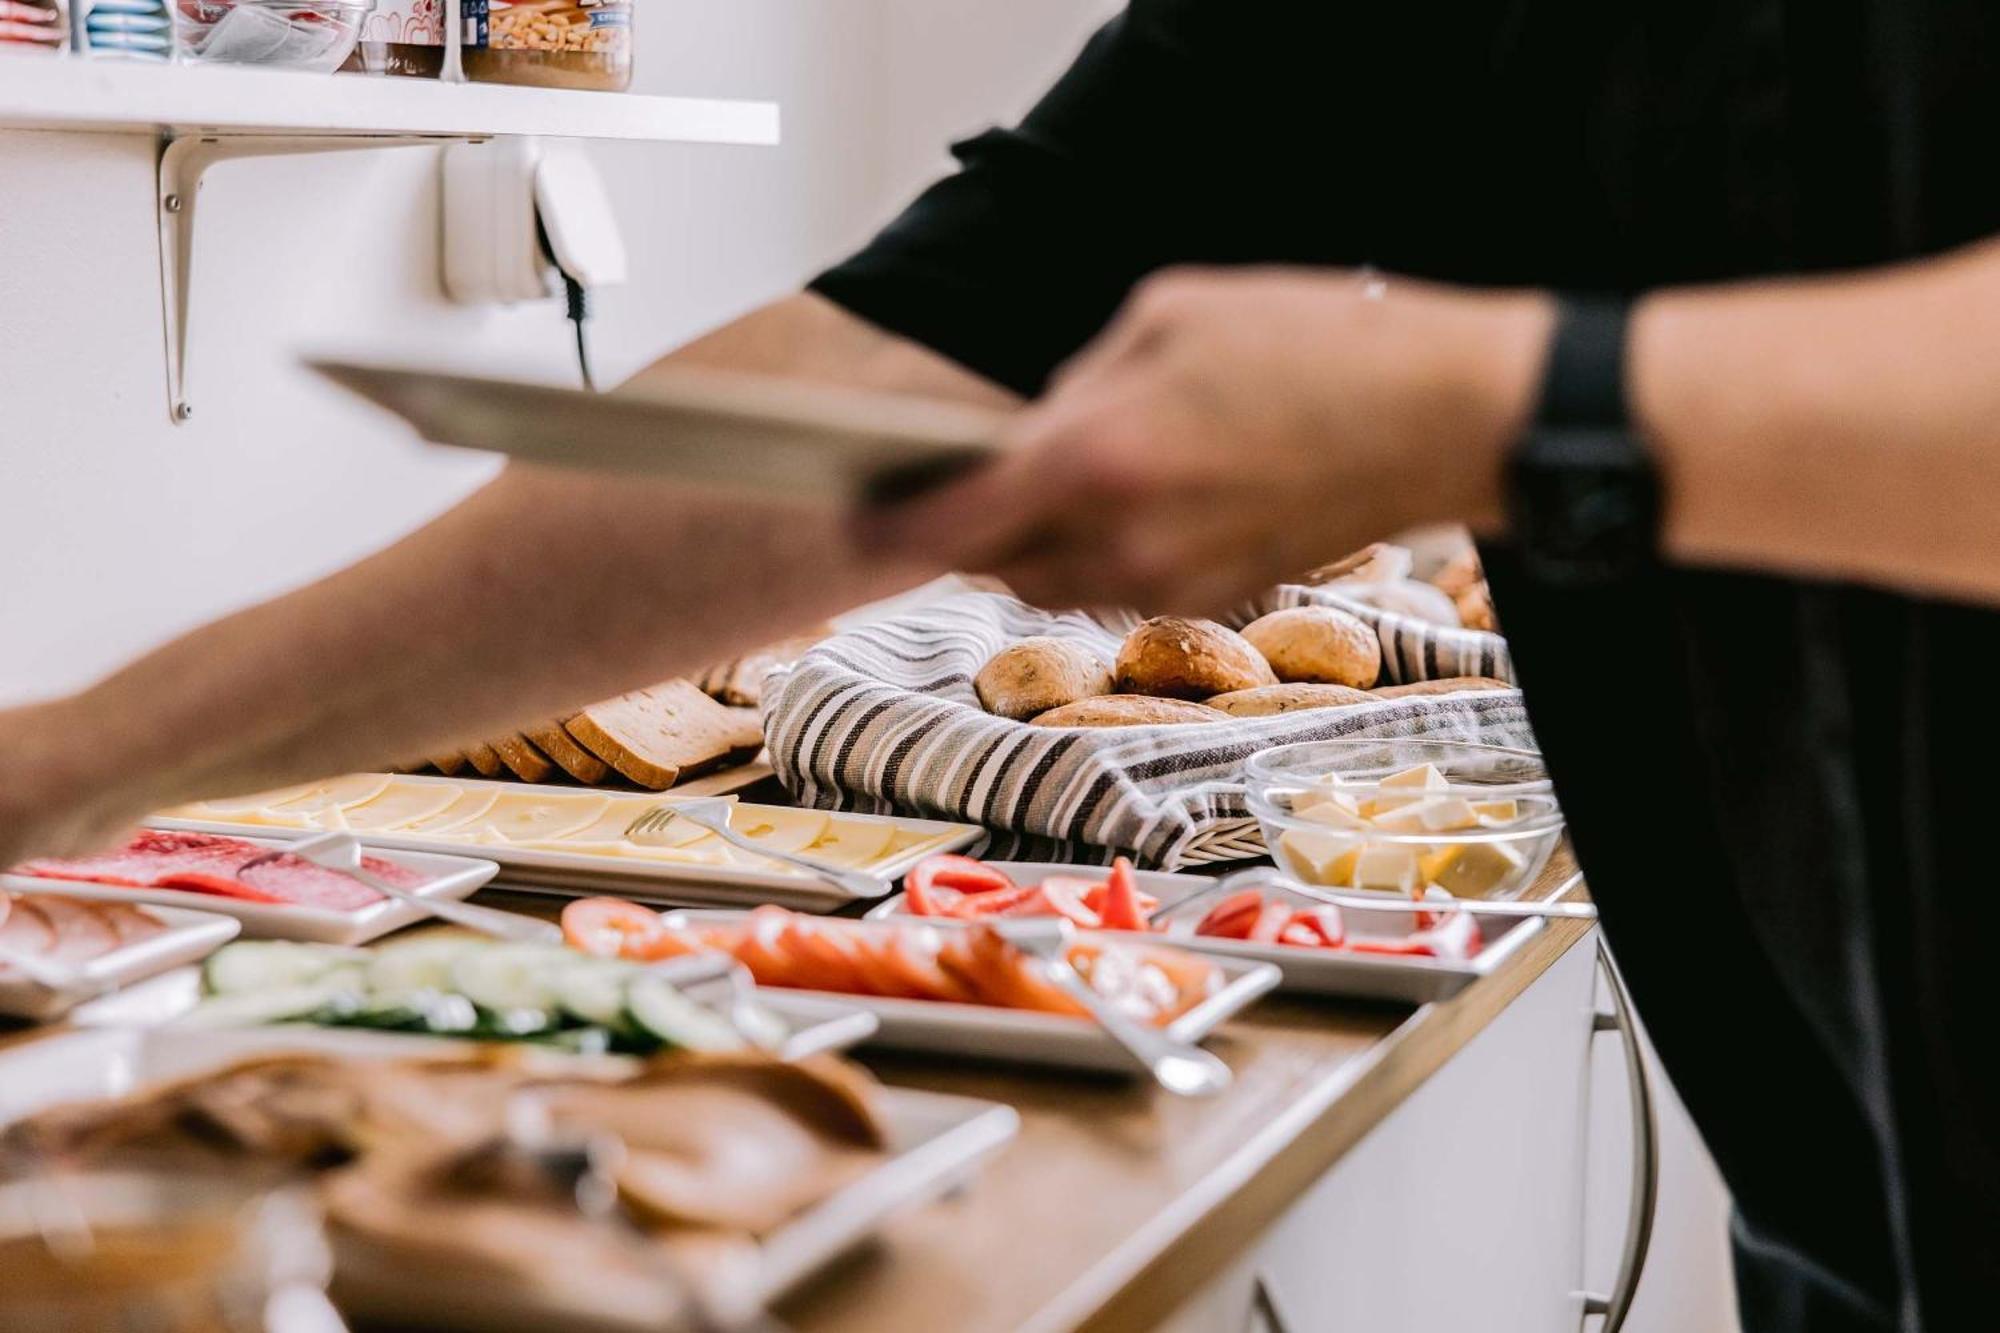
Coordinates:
<point>988,1032</point>
<point>1335,972</point>
<point>188,937</point>
<point>936,1143</point>
<point>813,1029</point>
<point>448,876</point>
<point>580,874</point>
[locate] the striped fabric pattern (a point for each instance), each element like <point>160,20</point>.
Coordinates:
<point>884,718</point>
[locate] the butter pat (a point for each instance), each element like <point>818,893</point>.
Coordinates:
<point>1492,813</point>
<point>1327,859</point>
<point>1422,778</point>
<point>1387,865</point>
<point>1334,812</point>
<point>1472,869</point>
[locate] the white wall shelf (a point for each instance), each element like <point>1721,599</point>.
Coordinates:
<point>61,93</point>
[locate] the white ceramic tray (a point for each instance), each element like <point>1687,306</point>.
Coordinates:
<point>1411,980</point>
<point>814,1028</point>
<point>936,1143</point>
<point>188,937</point>
<point>988,1032</point>
<point>448,877</point>
<point>579,874</point>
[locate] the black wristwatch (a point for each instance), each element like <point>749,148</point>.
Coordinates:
<point>1583,494</point>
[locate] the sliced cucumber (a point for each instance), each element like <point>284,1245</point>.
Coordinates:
<point>592,990</point>
<point>317,1001</point>
<point>265,965</point>
<point>655,1007</point>
<point>503,977</point>
<point>420,963</point>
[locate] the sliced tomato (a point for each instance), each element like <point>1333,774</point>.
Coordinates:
<point>920,899</point>
<point>1061,895</point>
<point>946,871</point>
<point>1272,918</point>
<point>1316,928</point>
<point>1232,918</point>
<point>760,947</point>
<point>1014,901</point>
<point>1120,908</point>
<point>611,928</point>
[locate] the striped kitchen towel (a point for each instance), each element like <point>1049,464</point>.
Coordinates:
<point>883,718</point>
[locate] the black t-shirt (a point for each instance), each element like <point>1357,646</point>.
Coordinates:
<point>1777,789</point>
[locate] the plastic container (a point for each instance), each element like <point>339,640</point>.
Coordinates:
<point>289,34</point>
<point>124,29</point>
<point>1482,827</point>
<point>555,44</point>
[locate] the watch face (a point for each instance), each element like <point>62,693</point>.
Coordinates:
<point>1585,505</point>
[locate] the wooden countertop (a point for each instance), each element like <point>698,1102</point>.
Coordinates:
<point>1118,1201</point>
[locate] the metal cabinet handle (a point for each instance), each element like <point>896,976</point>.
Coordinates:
<point>1645,1154</point>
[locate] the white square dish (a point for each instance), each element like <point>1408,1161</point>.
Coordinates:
<point>188,938</point>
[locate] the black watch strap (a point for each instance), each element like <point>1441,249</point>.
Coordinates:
<point>1583,495</point>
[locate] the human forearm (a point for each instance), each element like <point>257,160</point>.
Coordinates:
<point>543,591</point>
<point>1844,428</point>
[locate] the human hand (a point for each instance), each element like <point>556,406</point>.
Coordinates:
<point>1232,428</point>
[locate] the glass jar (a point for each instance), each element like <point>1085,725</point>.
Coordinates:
<point>407,37</point>
<point>33,25</point>
<point>555,44</point>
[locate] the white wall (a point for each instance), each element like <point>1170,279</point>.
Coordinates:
<point>118,529</point>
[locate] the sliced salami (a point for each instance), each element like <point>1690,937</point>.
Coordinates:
<point>25,929</point>
<point>81,932</point>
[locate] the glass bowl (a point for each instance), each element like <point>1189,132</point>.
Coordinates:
<point>285,34</point>
<point>1406,816</point>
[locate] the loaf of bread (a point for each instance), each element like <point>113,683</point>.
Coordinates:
<point>740,681</point>
<point>1268,700</point>
<point>658,735</point>
<point>1128,710</point>
<point>1174,658</point>
<point>485,760</point>
<point>1038,674</point>
<point>450,762</point>
<point>1447,685</point>
<point>1317,644</point>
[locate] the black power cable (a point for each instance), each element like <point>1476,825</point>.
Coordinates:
<point>578,301</point>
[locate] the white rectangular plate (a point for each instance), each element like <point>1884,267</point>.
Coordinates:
<point>580,874</point>
<point>936,1141</point>
<point>758,433</point>
<point>449,877</point>
<point>188,937</point>
<point>1015,1035</point>
<point>1339,972</point>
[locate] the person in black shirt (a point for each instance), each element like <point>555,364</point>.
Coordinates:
<point>1376,201</point>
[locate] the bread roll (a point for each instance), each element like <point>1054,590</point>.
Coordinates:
<point>1475,608</point>
<point>1373,563</point>
<point>1173,658</point>
<point>1128,710</point>
<point>1318,644</point>
<point>1404,597</point>
<point>1448,685</point>
<point>1038,674</point>
<point>1267,700</point>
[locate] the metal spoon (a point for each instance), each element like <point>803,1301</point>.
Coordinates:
<point>1177,1066</point>
<point>342,852</point>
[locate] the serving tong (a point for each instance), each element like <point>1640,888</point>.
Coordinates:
<point>1177,1066</point>
<point>648,828</point>
<point>342,852</point>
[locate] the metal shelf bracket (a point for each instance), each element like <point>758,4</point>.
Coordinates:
<point>185,158</point>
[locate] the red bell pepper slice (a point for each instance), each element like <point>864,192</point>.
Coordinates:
<point>948,871</point>
<point>1232,918</point>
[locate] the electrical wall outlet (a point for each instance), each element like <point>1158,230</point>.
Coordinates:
<point>517,215</point>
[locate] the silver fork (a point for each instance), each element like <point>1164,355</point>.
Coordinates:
<point>701,813</point>
<point>342,852</point>
<point>1177,1066</point>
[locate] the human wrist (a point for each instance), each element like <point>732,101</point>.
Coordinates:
<point>1505,362</point>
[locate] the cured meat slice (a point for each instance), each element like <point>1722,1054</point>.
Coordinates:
<point>210,863</point>
<point>131,924</point>
<point>81,934</point>
<point>24,929</point>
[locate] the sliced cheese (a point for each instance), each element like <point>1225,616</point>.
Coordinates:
<point>532,817</point>
<point>779,828</point>
<point>854,842</point>
<point>453,821</point>
<point>401,804</point>
<point>1320,858</point>
<point>1472,869</point>
<point>334,794</point>
<point>1387,865</point>
<point>617,816</point>
<point>263,800</point>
